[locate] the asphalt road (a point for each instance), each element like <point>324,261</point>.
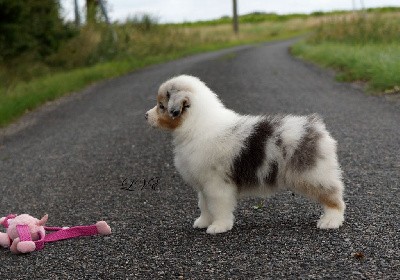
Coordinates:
<point>70,159</point>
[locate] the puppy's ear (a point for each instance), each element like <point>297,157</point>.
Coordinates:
<point>178,103</point>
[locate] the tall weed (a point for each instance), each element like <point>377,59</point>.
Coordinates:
<point>360,28</point>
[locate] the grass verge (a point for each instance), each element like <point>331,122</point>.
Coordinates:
<point>29,95</point>
<point>376,64</point>
<point>363,47</point>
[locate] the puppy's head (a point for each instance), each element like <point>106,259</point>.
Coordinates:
<point>173,103</point>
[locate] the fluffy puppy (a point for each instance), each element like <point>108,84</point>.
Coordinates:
<point>225,156</point>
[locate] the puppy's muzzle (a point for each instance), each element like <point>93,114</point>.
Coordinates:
<point>175,113</point>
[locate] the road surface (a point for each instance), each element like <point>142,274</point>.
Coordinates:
<point>91,156</point>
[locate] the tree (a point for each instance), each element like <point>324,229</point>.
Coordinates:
<point>30,26</point>
<point>92,8</point>
<point>77,15</point>
<point>96,11</point>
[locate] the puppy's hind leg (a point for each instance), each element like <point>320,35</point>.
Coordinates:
<point>205,218</point>
<point>331,199</point>
<point>334,206</point>
<point>221,202</point>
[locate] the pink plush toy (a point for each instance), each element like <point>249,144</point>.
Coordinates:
<point>26,233</point>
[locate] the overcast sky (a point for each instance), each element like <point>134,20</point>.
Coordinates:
<point>192,10</point>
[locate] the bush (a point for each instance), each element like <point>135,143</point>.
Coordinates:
<point>30,31</point>
<point>78,51</point>
<point>31,26</point>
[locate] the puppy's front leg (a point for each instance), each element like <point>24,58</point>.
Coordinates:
<point>205,218</point>
<point>221,202</point>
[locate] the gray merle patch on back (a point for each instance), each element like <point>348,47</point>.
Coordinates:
<point>252,155</point>
<point>306,154</point>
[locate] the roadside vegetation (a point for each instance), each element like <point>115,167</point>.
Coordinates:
<point>364,47</point>
<point>39,64</point>
<point>31,76</point>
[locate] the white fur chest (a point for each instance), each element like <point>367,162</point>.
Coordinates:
<point>206,159</point>
<point>189,161</point>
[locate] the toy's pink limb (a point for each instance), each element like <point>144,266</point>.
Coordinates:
<point>5,240</point>
<point>71,233</point>
<point>24,233</point>
<point>66,233</point>
<point>26,246</point>
<point>103,228</point>
<point>13,247</point>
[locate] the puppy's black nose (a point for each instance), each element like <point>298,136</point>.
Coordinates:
<point>175,113</point>
<point>146,116</point>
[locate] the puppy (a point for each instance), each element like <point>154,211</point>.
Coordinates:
<point>225,156</point>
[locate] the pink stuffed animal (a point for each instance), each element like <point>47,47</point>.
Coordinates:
<point>26,234</point>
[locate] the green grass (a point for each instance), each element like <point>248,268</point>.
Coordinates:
<point>29,95</point>
<point>363,47</point>
<point>26,96</point>
<point>377,64</point>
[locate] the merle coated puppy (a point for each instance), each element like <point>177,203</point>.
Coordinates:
<point>225,156</point>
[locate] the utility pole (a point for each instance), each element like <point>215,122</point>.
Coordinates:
<point>362,5</point>
<point>235,18</point>
<point>77,16</point>
<point>354,5</point>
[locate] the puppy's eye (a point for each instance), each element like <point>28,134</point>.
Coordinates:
<point>161,106</point>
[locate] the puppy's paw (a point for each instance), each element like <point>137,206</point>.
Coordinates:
<point>220,227</point>
<point>331,220</point>
<point>201,222</point>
